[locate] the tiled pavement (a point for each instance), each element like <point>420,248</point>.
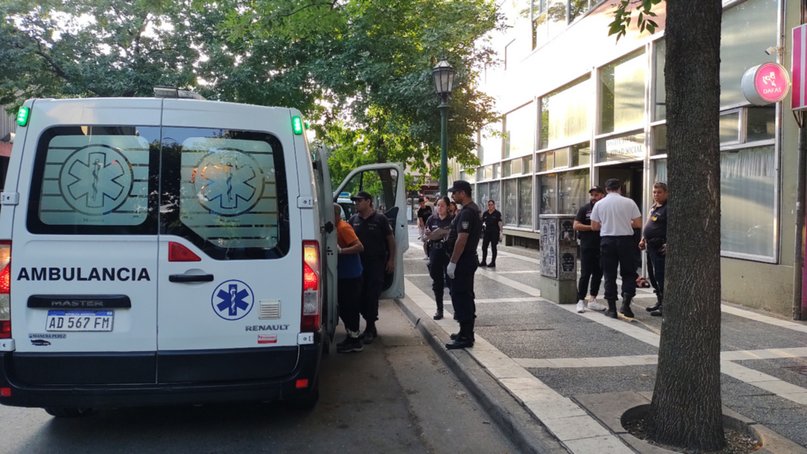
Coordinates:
<point>550,358</point>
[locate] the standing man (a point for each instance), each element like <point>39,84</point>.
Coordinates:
<point>424,211</point>
<point>654,240</point>
<point>349,273</point>
<point>590,268</point>
<point>378,257</point>
<point>615,217</point>
<point>463,238</point>
<point>492,228</point>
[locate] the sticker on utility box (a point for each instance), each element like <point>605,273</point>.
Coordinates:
<point>232,300</point>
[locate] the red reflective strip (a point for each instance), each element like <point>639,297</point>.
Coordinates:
<point>301,383</point>
<point>5,392</point>
<point>180,253</point>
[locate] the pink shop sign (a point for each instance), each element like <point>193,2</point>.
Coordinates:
<point>765,84</point>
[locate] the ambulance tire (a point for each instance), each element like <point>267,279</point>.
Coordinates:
<point>68,412</point>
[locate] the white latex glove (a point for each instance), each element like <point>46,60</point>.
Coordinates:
<point>338,249</point>
<point>451,269</point>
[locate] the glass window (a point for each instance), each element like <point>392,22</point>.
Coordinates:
<point>747,190</point>
<point>730,127</point>
<point>660,91</point>
<point>565,115</point>
<point>549,20</point>
<point>622,86</point>
<point>580,154</point>
<point>659,140</point>
<point>525,202</point>
<point>519,135</point>
<point>526,164</point>
<point>761,123</point>
<point>624,148</point>
<point>660,170</point>
<point>510,211</point>
<point>573,190</point>
<point>748,28</point>
<point>493,193</point>
<point>549,193</point>
<point>482,194</point>
<point>489,173</point>
<point>490,143</point>
<point>95,179</point>
<point>226,192</point>
<point>579,7</point>
<point>507,169</point>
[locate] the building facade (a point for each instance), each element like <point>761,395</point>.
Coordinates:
<point>579,107</point>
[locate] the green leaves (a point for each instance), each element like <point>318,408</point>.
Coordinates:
<point>622,17</point>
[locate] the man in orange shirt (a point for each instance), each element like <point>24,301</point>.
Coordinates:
<point>349,271</point>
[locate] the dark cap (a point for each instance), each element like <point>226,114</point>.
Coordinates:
<point>362,195</point>
<point>613,183</point>
<point>596,188</point>
<point>461,185</point>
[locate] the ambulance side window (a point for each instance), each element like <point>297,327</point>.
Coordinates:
<point>94,180</point>
<point>225,191</point>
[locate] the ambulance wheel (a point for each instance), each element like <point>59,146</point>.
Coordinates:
<point>68,412</point>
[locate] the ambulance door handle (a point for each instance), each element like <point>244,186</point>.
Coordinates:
<point>190,278</point>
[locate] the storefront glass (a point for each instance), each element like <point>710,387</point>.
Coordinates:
<point>565,116</point>
<point>525,202</point>
<point>510,211</point>
<point>519,136</point>
<point>573,190</point>
<point>622,85</point>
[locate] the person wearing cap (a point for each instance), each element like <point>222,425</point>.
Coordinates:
<point>378,257</point>
<point>615,217</point>
<point>491,233</point>
<point>654,241</point>
<point>463,238</point>
<point>590,268</point>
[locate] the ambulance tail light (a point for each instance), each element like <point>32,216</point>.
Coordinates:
<point>312,307</point>
<point>5,289</point>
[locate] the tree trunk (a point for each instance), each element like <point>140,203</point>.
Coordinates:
<point>686,410</point>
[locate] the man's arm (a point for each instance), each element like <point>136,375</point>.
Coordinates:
<point>635,223</point>
<point>459,246</point>
<point>391,249</point>
<point>595,226</point>
<point>353,248</point>
<point>580,227</point>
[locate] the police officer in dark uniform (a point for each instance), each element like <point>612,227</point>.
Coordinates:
<point>436,232</point>
<point>376,235</point>
<point>654,240</point>
<point>463,238</point>
<point>492,232</point>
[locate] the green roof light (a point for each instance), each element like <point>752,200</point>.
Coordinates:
<point>297,125</point>
<point>22,116</point>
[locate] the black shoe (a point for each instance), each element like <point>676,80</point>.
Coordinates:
<point>482,264</point>
<point>610,313</point>
<point>625,310</point>
<point>369,335</point>
<point>654,307</point>
<point>657,312</point>
<point>349,345</point>
<point>438,315</point>
<point>460,342</point>
<point>492,265</point>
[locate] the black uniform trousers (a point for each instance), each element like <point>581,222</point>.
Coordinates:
<point>462,290</point>
<point>349,306</point>
<point>493,241</point>
<point>657,262</point>
<point>372,284</point>
<point>618,251</point>
<point>590,270</point>
<point>438,261</point>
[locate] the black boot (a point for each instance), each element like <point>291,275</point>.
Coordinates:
<point>625,309</point>
<point>657,312</point>
<point>657,306</point>
<point>611,312</point>
<point>463,339</point>
<point>439,314</point>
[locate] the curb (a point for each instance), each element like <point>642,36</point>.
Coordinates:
<point>521,428</point>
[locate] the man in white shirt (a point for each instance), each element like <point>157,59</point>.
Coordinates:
<point>615,217</point>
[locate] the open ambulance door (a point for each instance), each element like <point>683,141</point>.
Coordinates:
<point>386,183</point>
<point>328,231</point>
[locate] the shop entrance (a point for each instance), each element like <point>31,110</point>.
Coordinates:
<point>631,174</point>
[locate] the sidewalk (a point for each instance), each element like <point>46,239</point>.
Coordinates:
<point>575,374</point>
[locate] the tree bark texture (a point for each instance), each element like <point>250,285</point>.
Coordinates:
<point>686,410</point>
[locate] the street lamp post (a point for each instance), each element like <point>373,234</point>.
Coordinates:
<point>443,82</point>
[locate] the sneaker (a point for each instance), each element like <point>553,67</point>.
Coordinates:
<point>368,336</point>
<point>595,305</point>
<point>610,313</point>
<point>482,264</point>
<point>492,265</point>
<point>438,315</point>
<point>349,345</point>
<point>581,306</point>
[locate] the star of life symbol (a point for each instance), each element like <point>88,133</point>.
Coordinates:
<point>95,179</point>
<point>232,300</point>
<point>228,182</point>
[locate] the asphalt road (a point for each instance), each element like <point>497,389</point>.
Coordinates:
<point>395,396</point>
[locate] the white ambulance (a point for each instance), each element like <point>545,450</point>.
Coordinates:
<point>169,251</point>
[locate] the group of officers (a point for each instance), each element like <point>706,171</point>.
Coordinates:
<point>611,237</point>
<point>609,229</point>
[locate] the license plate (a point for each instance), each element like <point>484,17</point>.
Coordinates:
<point>79,321</point>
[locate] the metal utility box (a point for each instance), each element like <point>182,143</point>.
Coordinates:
<point>558,280</point>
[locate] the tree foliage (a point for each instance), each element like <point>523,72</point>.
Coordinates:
<point>360,70</point>
<point>686,408</point>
